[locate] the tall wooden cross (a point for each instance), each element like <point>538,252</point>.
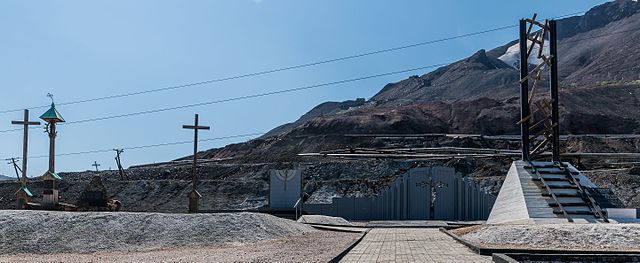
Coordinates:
<point>194,195</point>
<point>25,142</point>
<point>433,186</point>
<point>96,164</point>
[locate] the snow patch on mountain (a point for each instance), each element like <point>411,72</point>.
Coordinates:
<point>512,56</point>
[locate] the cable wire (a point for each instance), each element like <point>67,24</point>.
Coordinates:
<point>265,72</point>
<point>296,89</point>
<point>240,97</point>
<point>149,146</point>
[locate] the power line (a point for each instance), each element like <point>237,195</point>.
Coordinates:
<point>265,72</point>
<point>150,145</point>
<point>245,97</point>
<point>294,89</point>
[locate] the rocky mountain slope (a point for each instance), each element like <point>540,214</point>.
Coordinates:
<point>599,77</point>
<point>596,48</point>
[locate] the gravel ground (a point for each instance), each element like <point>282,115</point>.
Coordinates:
<point>326,245</point>
<point>44,232</point>
<point>558,236</point>
<point>324,220</point>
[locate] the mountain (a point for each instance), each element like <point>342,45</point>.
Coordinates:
<point>599,78</point>
<point>7,178</point>
<point>599,47</point>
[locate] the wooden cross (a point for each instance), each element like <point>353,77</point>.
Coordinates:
<point>193,196</point>
<point>96,164</point>
<point>25,143</point>
<point>434,195</point>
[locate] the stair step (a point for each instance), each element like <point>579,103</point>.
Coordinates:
<point>550,171</point>
<point>542,164</point>
<point>561,184</point>
<point>554,204</point>
<point>548,179</point>
<point>584,210</point>
<point>588,217</point>
<point>573,212</point>
<point>570,191</point>
<point>563,200</point>
<point>562,194</point>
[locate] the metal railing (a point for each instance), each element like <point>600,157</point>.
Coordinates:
<point>298,207</point>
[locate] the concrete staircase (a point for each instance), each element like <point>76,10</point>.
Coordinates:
<point>567,196</point>
<point>544,193</point>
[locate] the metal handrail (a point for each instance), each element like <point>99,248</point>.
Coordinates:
<point>593,205</point>
<point>298,205</point>
<point>553,195</point>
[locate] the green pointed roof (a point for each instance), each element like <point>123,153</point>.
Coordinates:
<point>52,115</point>
<point>48,175</point>
<point>26,190</point>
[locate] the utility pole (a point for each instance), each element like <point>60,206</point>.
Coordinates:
<point>123,175</point>
<point>96,164</point>
<point>15,167</point>
<point>194,195</point>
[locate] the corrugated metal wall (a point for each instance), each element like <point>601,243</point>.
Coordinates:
<point>409,197</point>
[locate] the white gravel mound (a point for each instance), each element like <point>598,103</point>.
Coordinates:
<point>324,220</point>
<point>45,232</point>
<point>619,237</point>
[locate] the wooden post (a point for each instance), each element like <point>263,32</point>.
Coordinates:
<point>96,164</point>
<point>16,168</point>
<point>52,147</point>
<point>123,175</point>
<point>194,195</point>
<point>23,195</point>
<point>25,142</point>
<point>555,112</point>
<point>524,90</point>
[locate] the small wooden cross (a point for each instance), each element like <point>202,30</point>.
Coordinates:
<point>25,143</point>
<point>194,195</point>
<point>96,164</point>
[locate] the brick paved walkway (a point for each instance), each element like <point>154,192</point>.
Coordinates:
<point>411,245</point>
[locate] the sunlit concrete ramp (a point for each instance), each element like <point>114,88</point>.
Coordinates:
<point>545,192</point>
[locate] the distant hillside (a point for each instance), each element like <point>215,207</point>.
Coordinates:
<point>598,48</point>
<point>600,92</point>
<point>6,178</point>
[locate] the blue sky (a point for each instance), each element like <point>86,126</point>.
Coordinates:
<point>85,49</point>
